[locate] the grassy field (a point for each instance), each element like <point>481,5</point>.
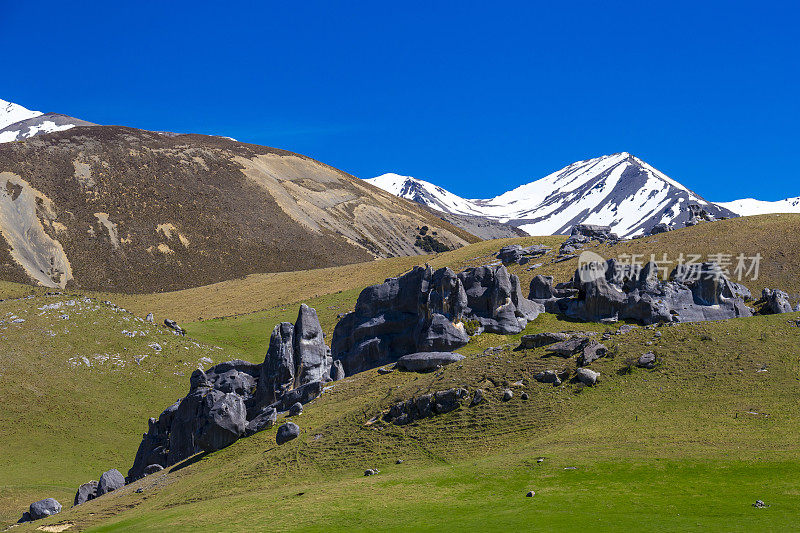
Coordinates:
<point>689,445</point>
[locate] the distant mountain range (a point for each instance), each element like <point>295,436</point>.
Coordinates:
<point>618,190</point>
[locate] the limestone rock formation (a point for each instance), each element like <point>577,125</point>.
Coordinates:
<point>238,398</point>
<point>611,291</point>
<point>427,361</point>
<point>425,310</point>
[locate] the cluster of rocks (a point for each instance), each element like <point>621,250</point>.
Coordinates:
<point>427,405</point>
<point>697,215</point>
<point>429,311</point>
<point>517,254</point>
<point>661,227</point>
<point>583,234</point>
<point>238,398</point>
<point>613,291</point>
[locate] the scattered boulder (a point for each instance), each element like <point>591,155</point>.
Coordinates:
<point>296,409</point>
<point>425,406</point>
<point>477,397</point>
<point>568,347</point>
<point>646,360</point>
<point>171,324</point>
<point>592,351</point>
<point>541,339</point>
<point>150,318</point>
<point>86,492</point>
<point>266,419</point>
<point>44,508</point>
<point>426,311</point>
<point>531,494</point>
<point>587,376</point>
<point>287,432</point>
<point>371,472</point>
<point>548,376</point>
<point>508,394</point>
<point>759,504</point>
<point>427,361</point>
<point>775,302</point>
<point>110,480</point>
<point>152,469</point>
<point>524,395</point>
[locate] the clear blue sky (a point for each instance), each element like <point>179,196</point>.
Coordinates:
<point>478,97</point>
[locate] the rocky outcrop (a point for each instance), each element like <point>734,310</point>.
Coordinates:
<point>698,214</point>
<point>583,234</point>
<point>86,492</point>
<point>425,311</point>
<point>517,254</point>
<point>427,361</point>
<point>612,291</point>
<point>237,398</point>
<point>661,227</point>
<point>425,406</point>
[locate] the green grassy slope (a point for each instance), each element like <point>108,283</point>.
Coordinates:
<point>688,445</point>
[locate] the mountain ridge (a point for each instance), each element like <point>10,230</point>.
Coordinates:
<point>619,190</point>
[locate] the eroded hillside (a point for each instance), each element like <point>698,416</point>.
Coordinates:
<point>121,209</point>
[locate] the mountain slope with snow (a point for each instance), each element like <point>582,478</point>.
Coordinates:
<point>618,190</point>
<point>17,122</point>
<point>751,206</point>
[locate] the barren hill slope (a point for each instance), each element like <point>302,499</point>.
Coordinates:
<point>122,209</point>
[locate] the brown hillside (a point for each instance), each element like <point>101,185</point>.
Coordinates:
<point>120,209</point>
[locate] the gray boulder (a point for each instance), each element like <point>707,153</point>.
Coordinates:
<point>296,409</point>
<point>568,347</point>
<point>44,508</point>
<point>110,480</point>
<point>287,432</point>
<point>86,492</point>
<point>775,301</point>
<point>171,324</point>
<point>548,376</point>
<point>310,353</point>
<point>515,253</point>
<point>152,469</point>
<point>150,318</point>
<point>508,394</point>
<point>427,361</point>
<point>661,227</point>
<point>477,397</point>
<point>592,351</point>
<point>647,360</point>
<point>541,339</point>
<point>592,231</point>
<point>278,369</point>
<point>587,376</point>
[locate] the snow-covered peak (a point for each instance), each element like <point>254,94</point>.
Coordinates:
<point>425,193</point>
<point>618,190</point>
<point>11,113</point>
<point>751,206</point>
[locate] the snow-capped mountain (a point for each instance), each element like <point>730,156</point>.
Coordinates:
<point>751,206</point>
<point>17,122</point>
<point>618,190</point>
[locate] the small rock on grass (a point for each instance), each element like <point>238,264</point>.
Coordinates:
<point>524,395</point>
<point>371,471</point>
<point>531,494</point>
<point>507,395</point>
<point>287,432</point>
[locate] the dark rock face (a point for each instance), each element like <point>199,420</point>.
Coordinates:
<point>611,291</point>
<point>427,405</point>
<point>775,301</point>
<point>424,311</point>
<point>287,432</point>
<point>86,492</point>
<point>44,508</point>
<point>427,361</point>
<point>110,480</point>
<point>337,371</point>
<point>238,398</point>
<point>296,409</point>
